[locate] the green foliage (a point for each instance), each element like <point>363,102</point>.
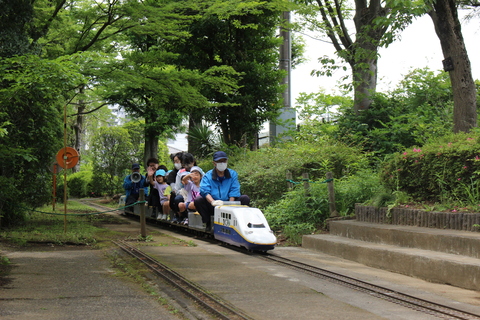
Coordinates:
<point>447,170</point>
<point>79,183</point>
<point>103,184</point>
<point>13,32</point>
<point>298,213</point>
<point>31,92</point>
<point>204,141</point>
<point>419,110</point>
<point>247,42</point>
<point>112,151</point>
<point>10,211</point>
<point>263,173</point>
<point>136,135</point>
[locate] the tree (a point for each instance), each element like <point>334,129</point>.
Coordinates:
<point>376,23</point>
<point>161,94</point>
<point>14,19</point>
<point>247,42</point>
<point>32,100</point>
<point>444,15</point>
<point>111,153</point>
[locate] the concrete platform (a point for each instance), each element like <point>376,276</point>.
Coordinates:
<point>441,256</point>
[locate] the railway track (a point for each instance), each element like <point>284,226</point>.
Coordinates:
<point>424,306</point>
<point>213,304</point>
<point>414,303</point>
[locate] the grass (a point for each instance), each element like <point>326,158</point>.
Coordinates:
<point>81,226</point>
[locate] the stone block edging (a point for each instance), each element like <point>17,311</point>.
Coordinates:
<point>416,217</point>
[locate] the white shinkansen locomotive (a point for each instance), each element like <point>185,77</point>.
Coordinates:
<point>234,224</point>
<point>244,227</point>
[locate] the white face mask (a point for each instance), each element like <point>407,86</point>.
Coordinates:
<point>178,166</point>
<point>221,166</point>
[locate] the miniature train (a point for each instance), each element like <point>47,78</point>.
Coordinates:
<point>235,224</point>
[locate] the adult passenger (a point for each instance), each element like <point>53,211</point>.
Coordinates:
<point>177,165</point>
<point>188,161</point>
<point>219,183</point>
<point>153,196</point>
<point>132,188</point>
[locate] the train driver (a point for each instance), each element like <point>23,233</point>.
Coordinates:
<point>219,183</point>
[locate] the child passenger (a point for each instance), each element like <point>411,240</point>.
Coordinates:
<point>160,183</point>
<point>191,182</point>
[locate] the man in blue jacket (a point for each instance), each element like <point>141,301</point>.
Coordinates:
<point>219,183</point>
<point>132,189</point>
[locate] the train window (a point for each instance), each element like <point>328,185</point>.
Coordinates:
<point>253,225</point>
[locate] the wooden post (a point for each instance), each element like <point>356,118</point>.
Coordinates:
<point>306,184</point>
<point>289,179</point>
<point>331,196</point>
<point>141,198</point>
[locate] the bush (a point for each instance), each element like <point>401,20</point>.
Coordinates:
<point>102,184</point>
<point>262,173</point>
<point>447,170</point>
<point>297,214</point>
<point>418,111</point>
<point>12,210</point>
<point>78,183</point>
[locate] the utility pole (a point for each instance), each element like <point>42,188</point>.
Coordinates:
<point>288,115</point>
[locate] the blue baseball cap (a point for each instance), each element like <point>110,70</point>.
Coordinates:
<point>219,155</point>
<point>160,172</point>
<point>135,166</point>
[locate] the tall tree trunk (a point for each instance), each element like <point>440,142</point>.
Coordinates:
<point>364,81</point>
<point>151,141</point>
<point>447,26</point>
<point>151,148</point>
<point>364,51</point>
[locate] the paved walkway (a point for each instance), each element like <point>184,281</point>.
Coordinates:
<point>72,284</point>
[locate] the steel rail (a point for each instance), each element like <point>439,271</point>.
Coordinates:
<point>408,301</point>
<point>213,304</point>
<point>384,293</point>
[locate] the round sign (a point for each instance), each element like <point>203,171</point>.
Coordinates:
<point>67,158</point>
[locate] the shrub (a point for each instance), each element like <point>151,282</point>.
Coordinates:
<point>447,170</point>
<point>79,182</point>
<point>296,213</point>
<point>416,112</point>
<point>12,208</point>
<point>262,173</point>
<point>102,184</point>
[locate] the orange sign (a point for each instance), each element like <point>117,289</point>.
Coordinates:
<point>67,156</point>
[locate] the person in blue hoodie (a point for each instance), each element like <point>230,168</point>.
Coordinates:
<point>132,189</point>
<point>220,183</point>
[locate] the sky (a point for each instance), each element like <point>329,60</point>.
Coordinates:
<point>418,47</point>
